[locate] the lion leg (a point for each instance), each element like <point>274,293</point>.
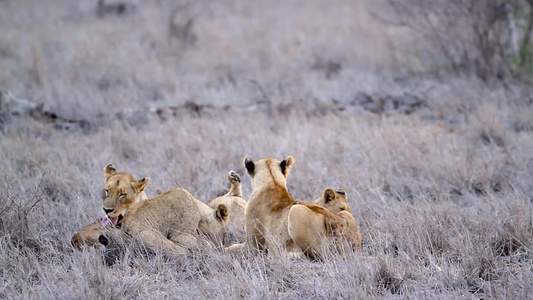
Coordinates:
<point>235,180</point>
<point>156,240</point>
<point>245,247</point>
<point>186,240</point>
<point>237,248</point>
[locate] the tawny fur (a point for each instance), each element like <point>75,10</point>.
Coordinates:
<point>267,210</point>
<point>307,229</point>
<point>335,201</point>
<point>351,233</point>
<point>115,184</point>
<point>169,221</point>
<point>88,235</point>
<point>236,205</point>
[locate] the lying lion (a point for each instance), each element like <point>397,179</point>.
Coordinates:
<point>307,229</point>
<point>236,205</point>
<point>335,201</point>
<point>169,221</point>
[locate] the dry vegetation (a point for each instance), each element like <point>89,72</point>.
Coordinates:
<point>438,168</point>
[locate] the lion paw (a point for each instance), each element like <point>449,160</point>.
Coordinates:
<point>233,177</point>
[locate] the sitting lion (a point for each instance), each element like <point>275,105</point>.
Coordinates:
<point>236,205</point>
<point>169,221</point>
<point>267,212</point>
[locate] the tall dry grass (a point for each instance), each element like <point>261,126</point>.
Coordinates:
<point>442,191</point>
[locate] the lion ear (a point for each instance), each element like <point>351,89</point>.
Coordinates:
<point>286,164</point>
<point>249,165</point>
<point>329,195</point>
<point>222,213</point>
<point>140,184</point>
<point>109,170</point>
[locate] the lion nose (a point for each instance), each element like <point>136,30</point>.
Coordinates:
<point>108,211</point>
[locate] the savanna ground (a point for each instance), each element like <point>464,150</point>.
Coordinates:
<point>438,166</point>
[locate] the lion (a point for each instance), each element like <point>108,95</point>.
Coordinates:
<point>236,205</point>
<point>169,221</point>
<point>335,201</point>
<point>123,185</point>
<point>267,211</point>
<point>89,235</point>
<point>306,227</point>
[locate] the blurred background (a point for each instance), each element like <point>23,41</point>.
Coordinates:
<point>92,56</point>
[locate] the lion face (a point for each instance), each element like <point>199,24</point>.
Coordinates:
<point>335,201</point>
<point>121,190</point>
<point>268,170</point>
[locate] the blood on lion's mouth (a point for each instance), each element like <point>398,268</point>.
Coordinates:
<point>106,221</point>
<point>115,221</point>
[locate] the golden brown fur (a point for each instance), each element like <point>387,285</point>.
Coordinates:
<point>236,205</point>
<point>169,221</point>
<point>118,187</point>
<point>335,201</point>
<point>351,233</point>
<point>312,229</point>
<point>88,235</point>
<point>121,190</point>
<point>267,211</point>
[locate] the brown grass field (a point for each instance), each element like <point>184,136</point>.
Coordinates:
<point>438,167</point>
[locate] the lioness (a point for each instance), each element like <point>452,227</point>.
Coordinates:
<point>90,234</point>
<point>306,227</point>
<point>124,186</point>
<point>335,201</point>
<point>168,221</point>
<point>267,210</point>
<point>236,205</point>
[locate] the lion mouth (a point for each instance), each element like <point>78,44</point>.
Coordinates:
<point>106,221</point>
<point>115,221</point>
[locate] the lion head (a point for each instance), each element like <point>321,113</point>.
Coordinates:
<point>335,201</point>
<point>268,170</point>
<point>121,191</point>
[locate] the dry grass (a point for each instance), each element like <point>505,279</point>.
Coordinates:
<point>442,194</point>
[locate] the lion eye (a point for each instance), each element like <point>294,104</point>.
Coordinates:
<point>342,208</point>
<point>106,191</point>
<point>122,195</point>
